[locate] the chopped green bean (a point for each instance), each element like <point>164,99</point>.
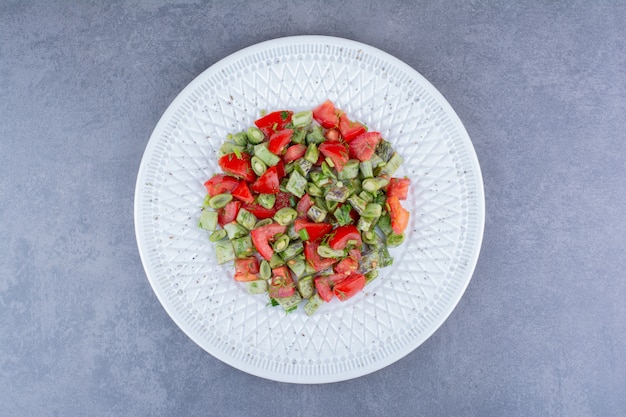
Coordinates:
<point>392,165</point>
<point>394,239</point>
<point>267,200</point>
<point>350,170</point>
<point>258,166</point>
<point>208,220</point>
<point>224,251</point>
<point>220,200</point>
<point>372,210</point>
<point>255,135</point>
<point>317,214</point>
<point>366,169</point>
<point>240,138</point>
<point>217,235</point>
<point>306,286</point>
<point>303,118</point>
<point>243,247</point>
<point>327,252</point>
<point>257,286</point>
<point>312,154</point>
<point>265,155</point>
<point>235,230</point>
<point>374,184</point>
<point>296,184</point>
<point>265,272</point>
<point>285,215</point>
<point>246,219</point>
<point>281,243</point>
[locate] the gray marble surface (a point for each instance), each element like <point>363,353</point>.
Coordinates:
<point>541,88</point>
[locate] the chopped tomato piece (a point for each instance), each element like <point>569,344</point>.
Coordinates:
<point>347,266</point>
<point>337,153</point>
<point>282,284</point>
<point>363,146</point>
<point>305,203</point>
<point>246,269</point>
<point>261,237</point>
<point>282,200</point>
<point>239,167</point>
<point>326,115</point>
<point>294,152</point>
<point>332,135</point>
<point>280,169</point>
<point>314,259</point>
<point>273,122</point>
<point>279,140</point>
<point>243,193</point>
<point>349,129</point>
<point>323,286</point>
<point>220,183</point>
<point>398,187</point>
<point>315,231</point>
<point>261,212</point>
<point>228,213</point>
<point>349,286</point>
<point>344,235</point>
<point>268,183</point>
<point>399,215</point>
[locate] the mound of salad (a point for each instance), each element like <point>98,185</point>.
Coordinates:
<point>306,206</point>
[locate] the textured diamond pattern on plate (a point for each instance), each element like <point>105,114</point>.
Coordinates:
<point>398,310</point>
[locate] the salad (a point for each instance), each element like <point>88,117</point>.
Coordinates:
<point>306,206</point>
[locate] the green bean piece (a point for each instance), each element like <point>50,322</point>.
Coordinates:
<point>303,118</point>
<point>320,179</point>
<point>281,243</point>
<point>326,251</point>
<point>368,197</point>
<point>342,215</point>
<point>296,184</point>
<point>394,239</point>
<point>276,260</point>
<point>312,154</point>
<point>326,169</point>
<point>235,230</point>
<point>265,272</point>
<point>240,138</point>
<point>257,287</point>
<point>366,169</point>
<point>265,155</point>
<point>371,276</point>
<point>208,220</point>
<point>217,235</point>
<point>290,303</point>
<point>302,166</point>
<point>304,235</point>
<point>285,215</point>
<point>255,135</point>
<point>337,192</point>
<point>313,304</point>
<point>267,200</point>
<point>258,166</point>
<point>385,257</point>
<point>317,214</point>
<point>246,219</point>
<point>350,170</point>
<point>392,165</point>
<point>357,203</point>
<point>297,266</point>
<point>374,184</point>
<point>220,200</point>
<point>376,161</point>
<point>384,223</point>
<point>263,222</point>
<point>294,249</point>
<point>243,246</point>
<point>372,210</point>
<point>316,135</point>
<point>306,286</point>
<point>299,135</point>
<point>224,251</point>
<point>365,223</point>
<point>331,205</point>
<point>314,190</point>
<point>230,147</point>
<point>369,261</point>
<point>384,150</point>
<point>370,237</point>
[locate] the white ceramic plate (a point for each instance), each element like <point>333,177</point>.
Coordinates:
<point>395,313</point>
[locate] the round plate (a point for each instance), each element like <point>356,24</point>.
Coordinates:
<point>395,313</point>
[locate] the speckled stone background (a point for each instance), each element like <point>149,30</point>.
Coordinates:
<point>541,88</point>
